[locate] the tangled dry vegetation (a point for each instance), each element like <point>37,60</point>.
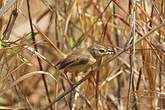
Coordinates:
<point>36,34</point>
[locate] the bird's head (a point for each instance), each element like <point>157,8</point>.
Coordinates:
<point>99,51</point>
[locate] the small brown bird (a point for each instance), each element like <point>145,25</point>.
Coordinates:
<point>83,58</point>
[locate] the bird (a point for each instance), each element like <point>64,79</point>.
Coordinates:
<point>82,59</point>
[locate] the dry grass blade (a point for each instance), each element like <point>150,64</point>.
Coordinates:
<point>6,7</point>
<point>108,79</point>
<point>13,107</point>
<point>39,55</point>
<point>61,54</point>
<point>22,78</point>
<point>48,4</point>
<point>69,16</point>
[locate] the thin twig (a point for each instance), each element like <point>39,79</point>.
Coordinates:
<point>36,49</point>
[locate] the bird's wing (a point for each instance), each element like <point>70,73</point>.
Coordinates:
<point>72,60</point>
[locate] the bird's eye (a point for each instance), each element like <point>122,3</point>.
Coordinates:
<point>101,50</point>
